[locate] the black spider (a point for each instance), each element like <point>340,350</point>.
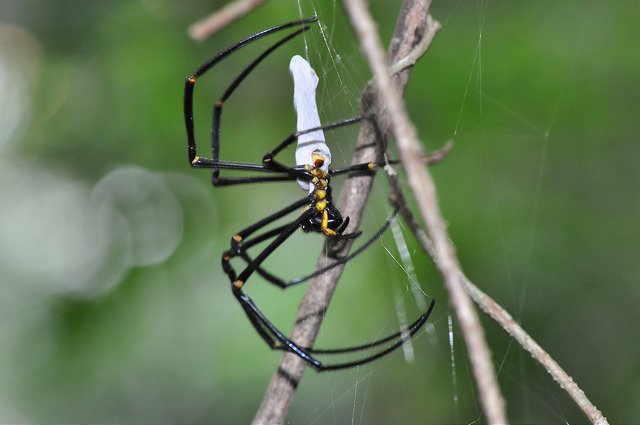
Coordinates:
<point>319,214</point>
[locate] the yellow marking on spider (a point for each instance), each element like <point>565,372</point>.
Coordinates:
<point>237,238</point>
<point>321,205</point>
<point>317,159</point>
<point>195,160</point>
<point>192,79</point>
<point>238,283</point>
<point>320,194</point>
<point>317,172</point>
<point>329,232</point>
<point>373,166</point>
<point>325,224</point>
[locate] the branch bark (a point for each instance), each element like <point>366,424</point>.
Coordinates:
<point>412,26</point>
<point>219,19</point>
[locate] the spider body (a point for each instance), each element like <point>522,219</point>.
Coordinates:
<point>316,211</point>
<point>327,219</point>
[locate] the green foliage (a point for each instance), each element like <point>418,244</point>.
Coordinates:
<point>540,193</point>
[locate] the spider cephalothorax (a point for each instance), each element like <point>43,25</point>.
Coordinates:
<point>312,172</point>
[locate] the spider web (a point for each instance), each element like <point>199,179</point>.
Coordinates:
<point>342,74</point>
<point>112,292</point>
<point>480,105</point>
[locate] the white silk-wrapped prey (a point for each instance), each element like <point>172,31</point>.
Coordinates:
<point>305,82</point>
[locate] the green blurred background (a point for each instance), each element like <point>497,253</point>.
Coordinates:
<point>114,306</point>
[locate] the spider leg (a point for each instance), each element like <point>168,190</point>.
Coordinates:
<point>366,168</point>
<point>277,340</point>
<point>197,161</point>
<point>430,158</point>
<point>346,236</point>
<point>217,111</point>
<point>343,226</point>
<point>412,328</point>
<point>401,335</point>
<point>238,240</point>
<point>293,137</point>
<point>347,258</point>
<point>241,235</point>
<point>267,331</point>
<point>271,278</point>
<point>284,235</point>
<point>240,250</point>
<point>272,335</point>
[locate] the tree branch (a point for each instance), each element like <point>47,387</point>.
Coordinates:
<point>219,19</point>
<point>504,319</point>
<point>496,312</point>
<point>411,27</point>
<point>423,189</point>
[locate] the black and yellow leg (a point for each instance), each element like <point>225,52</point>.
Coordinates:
<point>284,235</point>
<point>246,232</point>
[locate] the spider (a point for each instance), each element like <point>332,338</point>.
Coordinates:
<point>319,214</point>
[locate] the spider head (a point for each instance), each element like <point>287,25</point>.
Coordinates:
<point>320,156</point>
<point>317,158</point>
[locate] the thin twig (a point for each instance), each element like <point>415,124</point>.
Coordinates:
<point>504,319</point>
<point>423,189</point>
<point>411,26</point>
<point>219,19</point>
<point>497,313</point>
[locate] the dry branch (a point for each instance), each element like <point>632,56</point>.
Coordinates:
<point>213,23</point>
<point>423,189</point>
<point>504,319</point>
<point>496,312</point>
